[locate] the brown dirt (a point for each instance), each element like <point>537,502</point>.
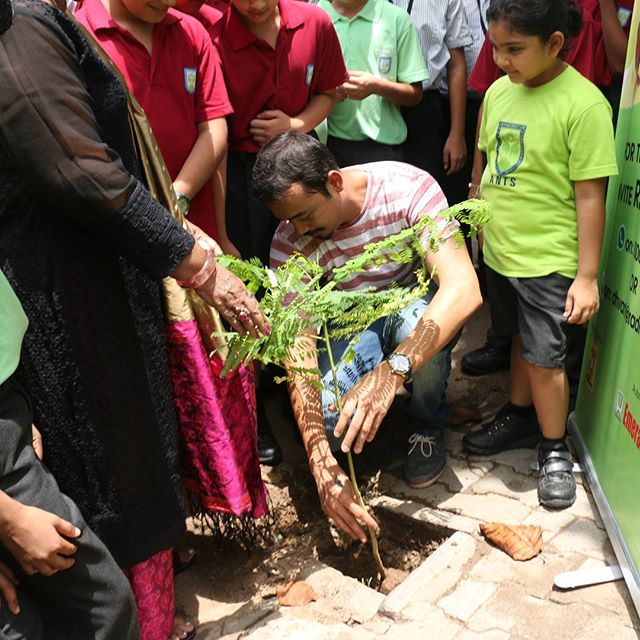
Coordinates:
<point>298,530</point>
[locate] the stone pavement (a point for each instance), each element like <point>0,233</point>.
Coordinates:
<point>467,589</point>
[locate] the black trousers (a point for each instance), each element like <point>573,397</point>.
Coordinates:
<point>92,600</point>
<point>250,225</point>
<point>350,152</point>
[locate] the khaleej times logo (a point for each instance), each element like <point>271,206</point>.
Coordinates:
<point>618,411</point>
<point>622,236</point>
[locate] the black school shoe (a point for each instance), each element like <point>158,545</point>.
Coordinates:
<point>556,483</point>
<point>485,360</point>
<point>507,430</point>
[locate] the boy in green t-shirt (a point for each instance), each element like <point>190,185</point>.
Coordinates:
<point>386,69</point>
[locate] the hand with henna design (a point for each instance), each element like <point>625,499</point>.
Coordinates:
<point>365,405</point>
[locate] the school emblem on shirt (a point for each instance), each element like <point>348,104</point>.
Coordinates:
<point>309,75</point>
<point>190,74</point>
<point>623,16</point>
<point>384,64</point>
<point>510,147</point>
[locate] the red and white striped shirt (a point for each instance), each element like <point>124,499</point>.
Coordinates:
<point>398,196</point>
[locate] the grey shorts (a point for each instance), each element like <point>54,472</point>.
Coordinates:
<point>533,308</point>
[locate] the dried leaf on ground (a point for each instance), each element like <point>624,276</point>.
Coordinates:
<point>521,542</point>
<point>295,594</point>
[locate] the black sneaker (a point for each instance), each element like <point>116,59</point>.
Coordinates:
<point>556,484</point>
<point>506,431</point>
<point>425,461</point>
<point>485,360</point>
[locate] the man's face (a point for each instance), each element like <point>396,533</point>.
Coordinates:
<point>312,214</point>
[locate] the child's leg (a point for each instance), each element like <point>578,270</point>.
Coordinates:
<point>550,391</point>
<point>515,425</point>
<point>543,349</point>
<point>519,387</point>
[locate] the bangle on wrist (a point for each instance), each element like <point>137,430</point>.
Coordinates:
<point>203,274</point>
<point>471,185</point>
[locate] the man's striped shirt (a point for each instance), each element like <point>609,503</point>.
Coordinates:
<point>397,196</point>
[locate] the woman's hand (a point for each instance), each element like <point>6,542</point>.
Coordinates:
<point>227,293</point>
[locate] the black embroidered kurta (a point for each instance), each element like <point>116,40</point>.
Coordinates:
<point>84,246</point>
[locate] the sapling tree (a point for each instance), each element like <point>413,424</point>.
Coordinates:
<point>297,298</point>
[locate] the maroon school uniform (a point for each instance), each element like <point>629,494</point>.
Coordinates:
<point>179,85</point>
<point>306,61</point>
<point>586,52</point>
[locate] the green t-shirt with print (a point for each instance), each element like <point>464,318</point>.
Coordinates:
<point>13,324</point>
<point>382,40</point>
<point>539,141</point>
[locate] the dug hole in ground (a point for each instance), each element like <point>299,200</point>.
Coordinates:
<point>473,590</point>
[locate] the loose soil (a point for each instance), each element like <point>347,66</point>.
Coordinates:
<point>298,532</point>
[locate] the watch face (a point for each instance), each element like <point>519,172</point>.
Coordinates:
<point>400,363</point>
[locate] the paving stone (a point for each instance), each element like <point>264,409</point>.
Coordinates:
<point>583,536</point>
<point>494,634</point>
<point>466,599</point>
<point>378,626</point>
<point>504,481</point>
<point>562,622</point>
<point>518,459</point>
<point>431,624</point>
<point>458,475</point>
<point>613,596</point>
<point>584,506</point>
<point>355,600</point>
<point>433,517</point>
<point>550,521</point>
<point>433,495</point>
<point>502,610</point>
<point>276,628</point>
<point>434,577</point>
<point>487,508</point>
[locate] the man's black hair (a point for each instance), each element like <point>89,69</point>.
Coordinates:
<point>291,157</point>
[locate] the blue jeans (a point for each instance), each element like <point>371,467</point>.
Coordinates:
<point>427,408</point>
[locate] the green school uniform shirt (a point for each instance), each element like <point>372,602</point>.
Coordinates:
<point>539,141</point>
<point>13,324</point>
<point>382,40</point>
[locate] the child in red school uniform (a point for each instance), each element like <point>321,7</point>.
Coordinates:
<point>282,62</point>
<point>173,70</point>
<point>171,67</point>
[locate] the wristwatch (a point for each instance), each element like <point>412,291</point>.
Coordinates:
<point>401,365</point>
<point>184,203</point>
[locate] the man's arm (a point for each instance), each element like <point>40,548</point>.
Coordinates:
<point>334,488</point>
<point>458,296</point>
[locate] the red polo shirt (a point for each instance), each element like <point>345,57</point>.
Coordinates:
<point>306,61</point>
<point>178,85</point>
<point>587,53</point>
